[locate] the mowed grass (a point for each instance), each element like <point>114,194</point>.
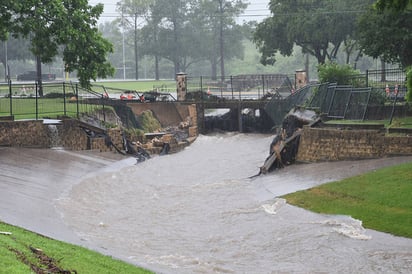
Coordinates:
<point>400,122</point>
<point>382,199</point>
<point>25,108</point>
<point>19,245</point>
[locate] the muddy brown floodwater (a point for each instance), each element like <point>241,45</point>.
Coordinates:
<point>196,211</point>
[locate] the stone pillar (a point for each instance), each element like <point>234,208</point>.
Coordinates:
<point>181,86</point>
<point>301,79</point>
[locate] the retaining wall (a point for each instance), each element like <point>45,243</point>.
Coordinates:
<point>24,133</point>
<point>67,134</point>
<point>325,144</point>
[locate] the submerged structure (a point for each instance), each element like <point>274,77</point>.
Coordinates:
<point>284,147</point>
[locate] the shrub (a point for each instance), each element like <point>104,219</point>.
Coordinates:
<point>341,74</point>
<point>409,84</point>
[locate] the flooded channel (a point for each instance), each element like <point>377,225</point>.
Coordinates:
<point>198,212</point>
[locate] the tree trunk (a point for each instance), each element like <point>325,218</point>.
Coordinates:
<point>221,44</point>
<point>136,57</point>
<point>214,70</point>
<point>383,75</point>
<point>157,75</point>
<point>39,78</point>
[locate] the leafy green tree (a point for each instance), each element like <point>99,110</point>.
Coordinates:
<point>318,27</point>
<point>387,34</point>
<point>68,27</point>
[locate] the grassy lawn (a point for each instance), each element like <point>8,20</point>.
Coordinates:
<point>404,122</point>
<point>382,199</point>
<point>25,108</point>
<point>24,252</point>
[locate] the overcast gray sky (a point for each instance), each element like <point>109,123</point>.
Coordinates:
<point>257,10</point>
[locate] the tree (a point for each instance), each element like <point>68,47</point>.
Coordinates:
<point>132,11</point>
<point>393,4</point>
<point>387,34</point>
<point>6,12</point>
<point>150,39</point>
<point>67,27</point>
<point>222,36</point>
<point>14,49</point>
<point>318,27</point>
<point>400,6</point>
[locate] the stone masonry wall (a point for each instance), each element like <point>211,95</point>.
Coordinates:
<point>24,133</point>
<point>71,136</point>
<point>325,144</point>
<point>68,134</point>
<point>99,143</point>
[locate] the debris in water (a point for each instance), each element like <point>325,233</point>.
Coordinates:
<point>285,144</point>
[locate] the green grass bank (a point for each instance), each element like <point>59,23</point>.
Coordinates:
<point>382,199</point>
<point>22,251</point>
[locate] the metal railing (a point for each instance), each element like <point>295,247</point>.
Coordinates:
<point>241,87</point>
<point>23,100</point>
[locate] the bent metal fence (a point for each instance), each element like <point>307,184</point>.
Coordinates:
<point>242,87</point>
<point>23,101</point>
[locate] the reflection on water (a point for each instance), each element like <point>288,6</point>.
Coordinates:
<point>197,212</point>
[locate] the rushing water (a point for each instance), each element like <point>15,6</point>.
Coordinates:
<point>197,212</point>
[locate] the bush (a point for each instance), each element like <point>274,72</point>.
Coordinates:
<point>148,122</point>
<point>332,72</point>
<point>409,84</point>
<point>135,134</point>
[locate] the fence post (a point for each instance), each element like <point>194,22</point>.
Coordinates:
<point>11,100</point>
<point>201,86</point>
<point>393,108</point>
<point>104,111</point>
<point>37,101</point>
<point>231,86</point>
<point>77,100</point>
<point>64,99</point>
<point>367,78</point>
<point>263,86</point>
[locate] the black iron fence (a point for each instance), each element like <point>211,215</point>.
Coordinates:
<point>242,86</point>
<point>24,101</point>
<point>357,103</point>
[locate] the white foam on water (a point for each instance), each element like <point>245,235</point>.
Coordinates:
<point>274,208</point>
<point>347,226</point>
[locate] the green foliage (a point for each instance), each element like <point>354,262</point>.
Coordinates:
<point>334,73</point>
<point>68,26</point>
<point>381,199</point>
<point>409,84</point>
<point>188,32</point>
<point>387,34</point>
<point>318,27</point>
<point>65,256</point>
<point>393,4</point>
<point>135,134</point>
<point>148,122</point>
